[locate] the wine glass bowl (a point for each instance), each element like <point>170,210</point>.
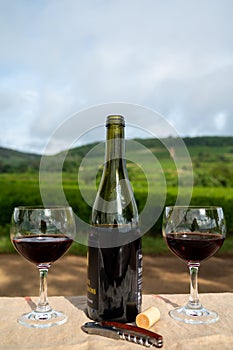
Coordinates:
<point>194,234</point>
<point>42,235</point>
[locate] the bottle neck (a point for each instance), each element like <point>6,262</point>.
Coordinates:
<point>115,143</point>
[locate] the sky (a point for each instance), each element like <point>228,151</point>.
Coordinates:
<point>59,57</point>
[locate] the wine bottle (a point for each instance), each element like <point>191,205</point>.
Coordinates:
<point>114,286</point>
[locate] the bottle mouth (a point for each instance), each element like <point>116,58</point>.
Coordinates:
<point>115,120</point>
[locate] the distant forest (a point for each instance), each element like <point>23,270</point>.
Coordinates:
<point>209,148</point>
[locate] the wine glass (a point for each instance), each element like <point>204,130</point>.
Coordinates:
<point>42,235</point>
<point>194,234</point>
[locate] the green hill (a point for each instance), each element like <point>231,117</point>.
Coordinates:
<point>212,158</point>
<point>15,161</point>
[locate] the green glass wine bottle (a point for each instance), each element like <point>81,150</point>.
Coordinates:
<point>114,286</point>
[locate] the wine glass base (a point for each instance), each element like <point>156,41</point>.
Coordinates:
<point>35,319</point>
<point>194,316</point>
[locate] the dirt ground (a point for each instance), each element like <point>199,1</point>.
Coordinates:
<point>161,275</point>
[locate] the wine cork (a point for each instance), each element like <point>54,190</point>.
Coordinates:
<point>147,318</point>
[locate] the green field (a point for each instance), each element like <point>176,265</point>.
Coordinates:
<point>212,160</point>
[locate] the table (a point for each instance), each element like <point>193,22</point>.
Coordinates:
<point>177,335</point>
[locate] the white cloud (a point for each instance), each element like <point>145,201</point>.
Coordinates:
<point>58,57</point>
<point>220,121</point>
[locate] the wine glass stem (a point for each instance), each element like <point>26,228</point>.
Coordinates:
<point>194,298</point>
<point>43,304</point>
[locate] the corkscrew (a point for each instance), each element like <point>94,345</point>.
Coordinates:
<point>116,330</point>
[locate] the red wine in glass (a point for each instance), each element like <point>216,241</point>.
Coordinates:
<point>41,249</point>
<point>42,235</point>
<point>194,234</point>
<point>194,246</point>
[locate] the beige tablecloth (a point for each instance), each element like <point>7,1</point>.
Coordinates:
<point>69,336</point>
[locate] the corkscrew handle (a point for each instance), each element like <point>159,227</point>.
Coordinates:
<point>126,332</point>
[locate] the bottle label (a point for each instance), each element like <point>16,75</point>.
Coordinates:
<point>139,266</point>
<point>92,273</point>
